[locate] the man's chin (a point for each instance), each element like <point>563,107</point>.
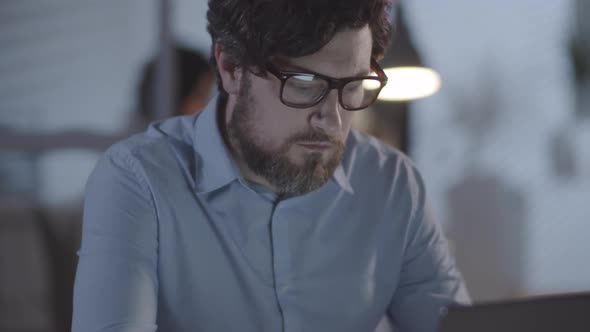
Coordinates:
<point>298,171</point>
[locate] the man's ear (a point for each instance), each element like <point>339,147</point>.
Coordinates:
<point>229,72</point>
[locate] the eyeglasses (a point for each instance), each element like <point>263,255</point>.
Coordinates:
<point>304,90</point>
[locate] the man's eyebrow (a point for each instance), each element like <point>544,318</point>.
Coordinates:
<point>293,67</point>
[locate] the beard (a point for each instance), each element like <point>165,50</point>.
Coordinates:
<point>274,165</point>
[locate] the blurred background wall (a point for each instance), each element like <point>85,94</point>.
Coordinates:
<point>74,65</point>
<point>504,146</point>
<point>69,72</point>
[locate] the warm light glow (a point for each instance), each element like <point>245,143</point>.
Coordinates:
<point>409,83</point>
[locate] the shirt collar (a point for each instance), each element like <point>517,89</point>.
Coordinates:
<point>341,179</point>
<point>215,166</point>
<point>341,175</point>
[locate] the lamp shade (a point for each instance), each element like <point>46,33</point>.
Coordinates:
<point>409,79</point>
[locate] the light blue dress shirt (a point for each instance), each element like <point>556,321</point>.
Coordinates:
<point>174,239</point>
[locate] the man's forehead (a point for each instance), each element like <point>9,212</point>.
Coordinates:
<point>291,65</point>
<point>347,54</point>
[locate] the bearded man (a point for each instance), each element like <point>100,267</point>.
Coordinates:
<point>265,211</point>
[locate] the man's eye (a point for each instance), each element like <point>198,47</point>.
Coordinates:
<point>302,87</point>
<point>353,86</point>
<point>305,83</point>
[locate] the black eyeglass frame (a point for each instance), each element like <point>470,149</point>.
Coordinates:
<point>333,83</point>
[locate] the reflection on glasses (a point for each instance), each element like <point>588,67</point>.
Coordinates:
<point>303,90</point>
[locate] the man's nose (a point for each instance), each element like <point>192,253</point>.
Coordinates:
<point>328,117</point>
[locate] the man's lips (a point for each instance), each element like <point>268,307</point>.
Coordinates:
<point>316,145</point>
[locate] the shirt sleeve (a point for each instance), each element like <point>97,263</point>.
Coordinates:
<point>116,280</point>
<point>429,279</point>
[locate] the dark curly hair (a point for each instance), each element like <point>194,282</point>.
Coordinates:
<point>251,31</point>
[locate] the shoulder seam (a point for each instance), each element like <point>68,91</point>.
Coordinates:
<point>127,155</point>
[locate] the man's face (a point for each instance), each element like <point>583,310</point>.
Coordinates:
<point>297,150</point>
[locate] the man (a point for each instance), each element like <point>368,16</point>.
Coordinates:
<point>265,212</point>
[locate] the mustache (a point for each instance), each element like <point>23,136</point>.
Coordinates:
<point>314,136</point>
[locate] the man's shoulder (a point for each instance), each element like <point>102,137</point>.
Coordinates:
<point>161,145</point>
<point>372,163</point>
<point>373,154</point>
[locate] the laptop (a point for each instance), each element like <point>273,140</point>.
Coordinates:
<point>555,313</point>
